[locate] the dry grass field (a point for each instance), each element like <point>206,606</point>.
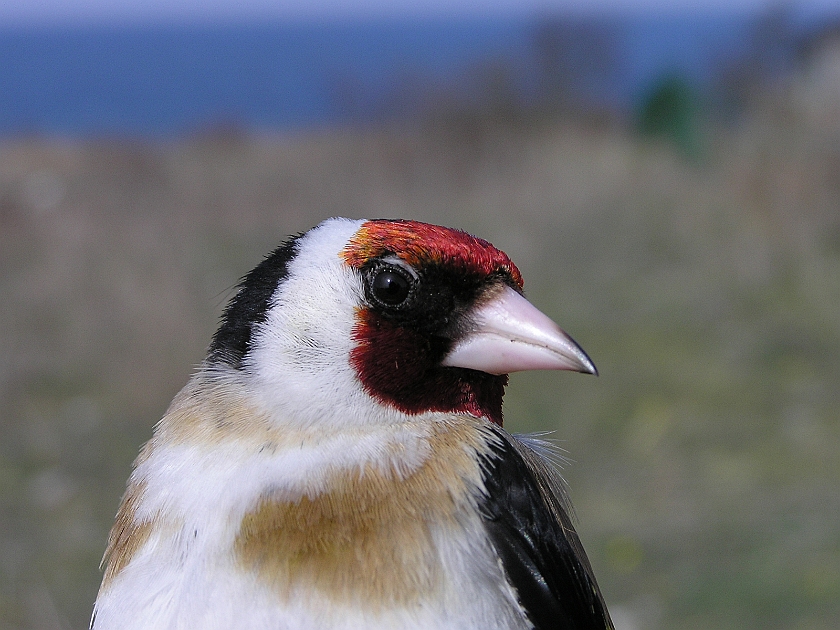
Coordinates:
<point>706,457</point>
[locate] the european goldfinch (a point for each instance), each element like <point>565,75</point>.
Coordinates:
<point>338,460</point>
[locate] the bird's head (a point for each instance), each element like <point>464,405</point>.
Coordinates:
<point>375,320</point>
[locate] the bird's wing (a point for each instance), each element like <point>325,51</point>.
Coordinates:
<point>528,521</point>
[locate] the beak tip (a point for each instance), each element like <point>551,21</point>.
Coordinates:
<point>588,367</point>
<point>585,365</point>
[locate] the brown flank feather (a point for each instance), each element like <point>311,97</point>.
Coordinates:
<point>127,535</point>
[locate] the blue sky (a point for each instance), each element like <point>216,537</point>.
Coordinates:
<point>86,11</point>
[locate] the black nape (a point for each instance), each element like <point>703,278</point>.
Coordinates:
<point>249,306</point>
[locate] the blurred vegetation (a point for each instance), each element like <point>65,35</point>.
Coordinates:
<point>706,459</point>
<point>671,111</point>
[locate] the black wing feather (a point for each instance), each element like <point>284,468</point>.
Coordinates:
<point>530,528</point>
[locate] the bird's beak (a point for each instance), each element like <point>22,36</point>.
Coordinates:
<point>509,334</point>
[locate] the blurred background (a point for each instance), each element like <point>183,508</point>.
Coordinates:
<point>666,176</point>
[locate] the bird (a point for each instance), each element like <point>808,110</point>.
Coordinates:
<point>339,458</point>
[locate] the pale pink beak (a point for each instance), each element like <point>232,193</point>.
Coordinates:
<point>509,334</point>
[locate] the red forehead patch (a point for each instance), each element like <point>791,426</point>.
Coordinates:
<point>421,243</point>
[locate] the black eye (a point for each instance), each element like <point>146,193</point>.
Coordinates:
<point>390,287</point>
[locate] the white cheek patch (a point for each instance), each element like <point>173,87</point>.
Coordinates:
<point>300,355</point>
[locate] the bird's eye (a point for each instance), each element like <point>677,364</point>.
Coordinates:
<point>390,286</point>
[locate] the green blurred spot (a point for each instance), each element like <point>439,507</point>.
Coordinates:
<point>624,554</point>
<point>728,472</point>
<point>822,581</point>
<point>648,425</point>
<point>671,111</point>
